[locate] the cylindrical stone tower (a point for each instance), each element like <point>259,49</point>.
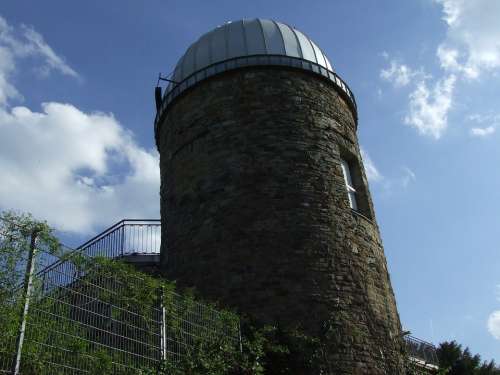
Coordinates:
<point>264,200</point>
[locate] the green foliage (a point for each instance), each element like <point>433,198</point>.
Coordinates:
<point>16,231</point>
<point>264,350</point>
<point>296,351</point>
<point>213,348</point>
<point>453,360</point>
<point>118,299</point>
<point>16,234</point>
<point>218,355</point>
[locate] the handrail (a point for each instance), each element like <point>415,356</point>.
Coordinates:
<point>252,61</point>
<point>421,350</point>
<point>118,240</point>
<point>115,226</point>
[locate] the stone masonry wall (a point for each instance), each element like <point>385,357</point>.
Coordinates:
<point>257,215</point>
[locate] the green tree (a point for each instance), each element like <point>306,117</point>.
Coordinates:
<point>18,234</point>
<point>16,231</point>
<point>124,303</point>
<point>457,361</point>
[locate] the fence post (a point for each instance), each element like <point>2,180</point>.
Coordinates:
<point>163,330</point>
<point>240,339</point>
<point>27,288</point>
<point>164,325</point>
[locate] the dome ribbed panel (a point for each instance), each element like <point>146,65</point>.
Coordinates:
<point>254,37</point>
<point>306,47</point>
<point>319,55</point>
<point>292,46</point>
<point>189,60</point>
<point>235,40</point>
<point>177,76</point>
<point>218,45</point>
<point>273,38</point>
<point>328,65</point>
<point>250,37</point>
<point>203,52</point>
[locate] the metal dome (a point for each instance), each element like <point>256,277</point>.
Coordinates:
<point>238,44</point>
<point>248,38</point>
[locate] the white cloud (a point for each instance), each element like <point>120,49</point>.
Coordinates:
<point>429,107</point>
<point>451,10</point>
<point>37,46</point>
<point>371,170</point>
<point>400,181</point>
<point>60,164</point>
<point>494,324</point>
<point>448,57</point>
<point>479,118</point>
<point>7,66</point>
<point>483,118</point>
<point>474,30</point>
<point>408,177</point>
<point>77,170</point>
<point>471,48</point>
<point>388,183</point>
<point>482,132</point>
<point>26,42</point>
<point>489,124</point>
<point>398,74</point>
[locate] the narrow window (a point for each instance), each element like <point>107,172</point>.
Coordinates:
<point>351,191</point>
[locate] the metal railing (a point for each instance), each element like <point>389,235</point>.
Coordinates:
<point>175,90</point>
<point>421,352</point>
<point>127,237</point>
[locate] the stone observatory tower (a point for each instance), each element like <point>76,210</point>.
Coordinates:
<point>264,199</point>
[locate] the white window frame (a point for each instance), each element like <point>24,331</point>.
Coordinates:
<point>351,190</point>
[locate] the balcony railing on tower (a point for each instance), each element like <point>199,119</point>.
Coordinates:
<point>421,353</point>
<point>129,236</point>
<point>129,239</point>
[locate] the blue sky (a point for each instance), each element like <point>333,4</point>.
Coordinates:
<point>77,109</point>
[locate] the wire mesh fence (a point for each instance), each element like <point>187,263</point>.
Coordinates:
<point>88,316</point>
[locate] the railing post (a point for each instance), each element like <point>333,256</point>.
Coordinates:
<point>27,288</point>
<point>122,241</point>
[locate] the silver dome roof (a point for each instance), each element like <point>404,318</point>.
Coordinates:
<point>244,43</point>
<point>248,38</point>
